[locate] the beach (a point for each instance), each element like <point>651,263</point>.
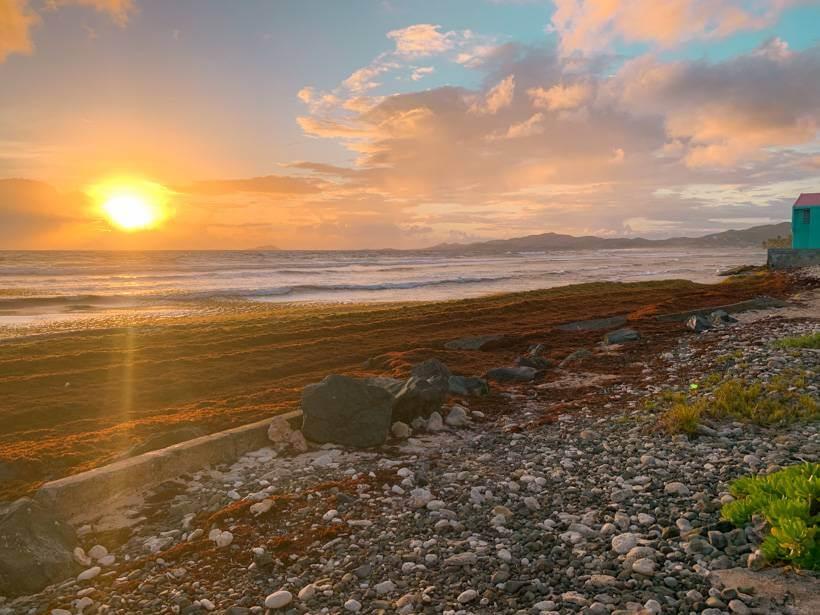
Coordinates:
<point>85,396</point>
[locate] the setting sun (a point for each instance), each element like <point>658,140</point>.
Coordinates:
<point>131,205</point>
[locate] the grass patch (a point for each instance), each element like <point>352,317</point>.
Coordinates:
<point>776,402</point>
<point>810,340</point>
<point>789,502</point>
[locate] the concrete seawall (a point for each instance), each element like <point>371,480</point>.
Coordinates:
<point>789,258</point>
<point>82,496</point>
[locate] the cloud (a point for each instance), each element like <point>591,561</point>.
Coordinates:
<point>16,22</point>
<point>423,39</point>
<point>736,110</point>
<point>17,19</point>
<point>589,26</point>
<point>421,72</point>
<point>498,98</point>
<point>271,184</point>
<point>560,97</point>
<point>530,127</point>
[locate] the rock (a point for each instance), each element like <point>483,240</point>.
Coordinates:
<point>511,374</point>
<point>480,342</point>
<point>97,552</point>
<point>412,398</point>
<point>435,372</point>
<point>575,356</point>
<point>420,497</point>
<point>346,411</point>
<point>90,573</point>
<point>623,543</point>
<point>285,438</point>
<point>81,558</point>
<point>400,431</point>
<point>621,336</point>
<point>698,323</point>
<point>435,422</point>
<point>307,592</point>
<point>644,566</point>
<point>467,558</point>
<point>721,316</point>
<point>261,508</point>
<point>354,606</point>
<point>221,539</point>
<point>468,386</point>
<point>278,599</point>
<point>739,607</point>
<point>468,595</point>
<point>676,488</point>
<point>385,587</point>
<point>36,548</point>
<point>457,417</point>
<point>534,362</point>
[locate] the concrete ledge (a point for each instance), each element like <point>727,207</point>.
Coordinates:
<point>789,258</point>
<point>79,495</point>
<point>758,303</point>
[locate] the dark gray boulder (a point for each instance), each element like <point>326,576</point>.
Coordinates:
<point>414,397</point>
<point>36,548</point>
<point>346,411</point>
<point>621,336</point>
<point>479,342</point>
<point>511,374</point>
<point>433,371</point>
<point>468,386</point>
<point>698,323</point>
<point>532,361</point>
<point>719,317</point>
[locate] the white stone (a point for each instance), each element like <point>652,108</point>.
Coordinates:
<point>354,606</point>
<point>285,438</point>
<point>531,503</point>
<point>108,560</point>
<point>97,552</point>
<point>504,555</point>
<point>223,539</point>
<point>261,508</point>
<point>457,417</point>
<point>207,604</point>
<point>468,595</point>
<point>435,422</point>
<point>645,519</point>
<point>622,543</point>
<point>676,488</point>
<point>419,497</point>
<point>330,515</point>
<point>644,566</point>
<point>278,599</point>
<point>653,606</point>
<point>81,558</point>
<point>82,604</point>
<point>307,592</point>
<point>87,575</point>
<point>385,587</point>
<point>234,494</point>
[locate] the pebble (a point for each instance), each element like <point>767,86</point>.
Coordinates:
<point>278,599</point>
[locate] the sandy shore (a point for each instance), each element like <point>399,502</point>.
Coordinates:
<point>78,399</point>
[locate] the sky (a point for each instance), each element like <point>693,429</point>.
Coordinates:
<point>322,124</point>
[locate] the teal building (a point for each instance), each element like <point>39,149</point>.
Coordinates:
<point>806,222</point>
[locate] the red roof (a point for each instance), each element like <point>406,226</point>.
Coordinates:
<point>808,199</point>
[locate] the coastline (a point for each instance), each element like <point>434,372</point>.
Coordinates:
<point>81,399</point>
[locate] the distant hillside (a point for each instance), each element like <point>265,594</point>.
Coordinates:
<point>267,248</point>
<point>750,237</point>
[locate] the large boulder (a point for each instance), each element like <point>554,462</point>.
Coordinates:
<point>511,374</point>
<point>698,323</point>
<point>36,548</point>
<point>468,385</point>
<point>621,336</point>
<point>433,371</point>
<point>285,438</point>
<point>346,411</point>
<point>411,398</point>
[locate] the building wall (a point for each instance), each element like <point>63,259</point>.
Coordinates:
<point>785,258</point>
<point>806,235</point>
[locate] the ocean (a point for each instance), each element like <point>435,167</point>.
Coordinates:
<point>38,287</point>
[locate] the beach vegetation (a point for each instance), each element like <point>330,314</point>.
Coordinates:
<point>788,501</point>
<point>810,340</point>
<point>778,401</point>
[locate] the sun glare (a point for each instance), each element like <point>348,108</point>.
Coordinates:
<point>132,205</point>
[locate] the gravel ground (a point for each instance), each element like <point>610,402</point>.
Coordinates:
<point>530,511</point>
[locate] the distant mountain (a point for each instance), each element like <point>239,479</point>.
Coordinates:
<point>750,237</point>
<point>267,248</point>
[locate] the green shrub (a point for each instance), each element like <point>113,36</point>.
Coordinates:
<point>789,502</point>
<point>811,340</point>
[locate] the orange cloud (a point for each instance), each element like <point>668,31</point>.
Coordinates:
<point>16,21</point>
<point>592,25</point>
<point>499,97</point>
<point>560,97</point>
<point>422,39</point>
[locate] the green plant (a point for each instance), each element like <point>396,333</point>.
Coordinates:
<point>810,340</point>
<point>789,502</point>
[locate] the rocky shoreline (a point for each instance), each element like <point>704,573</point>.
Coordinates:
<point>534,506</point>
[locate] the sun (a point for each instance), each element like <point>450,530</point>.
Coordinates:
<point>131,205</point>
